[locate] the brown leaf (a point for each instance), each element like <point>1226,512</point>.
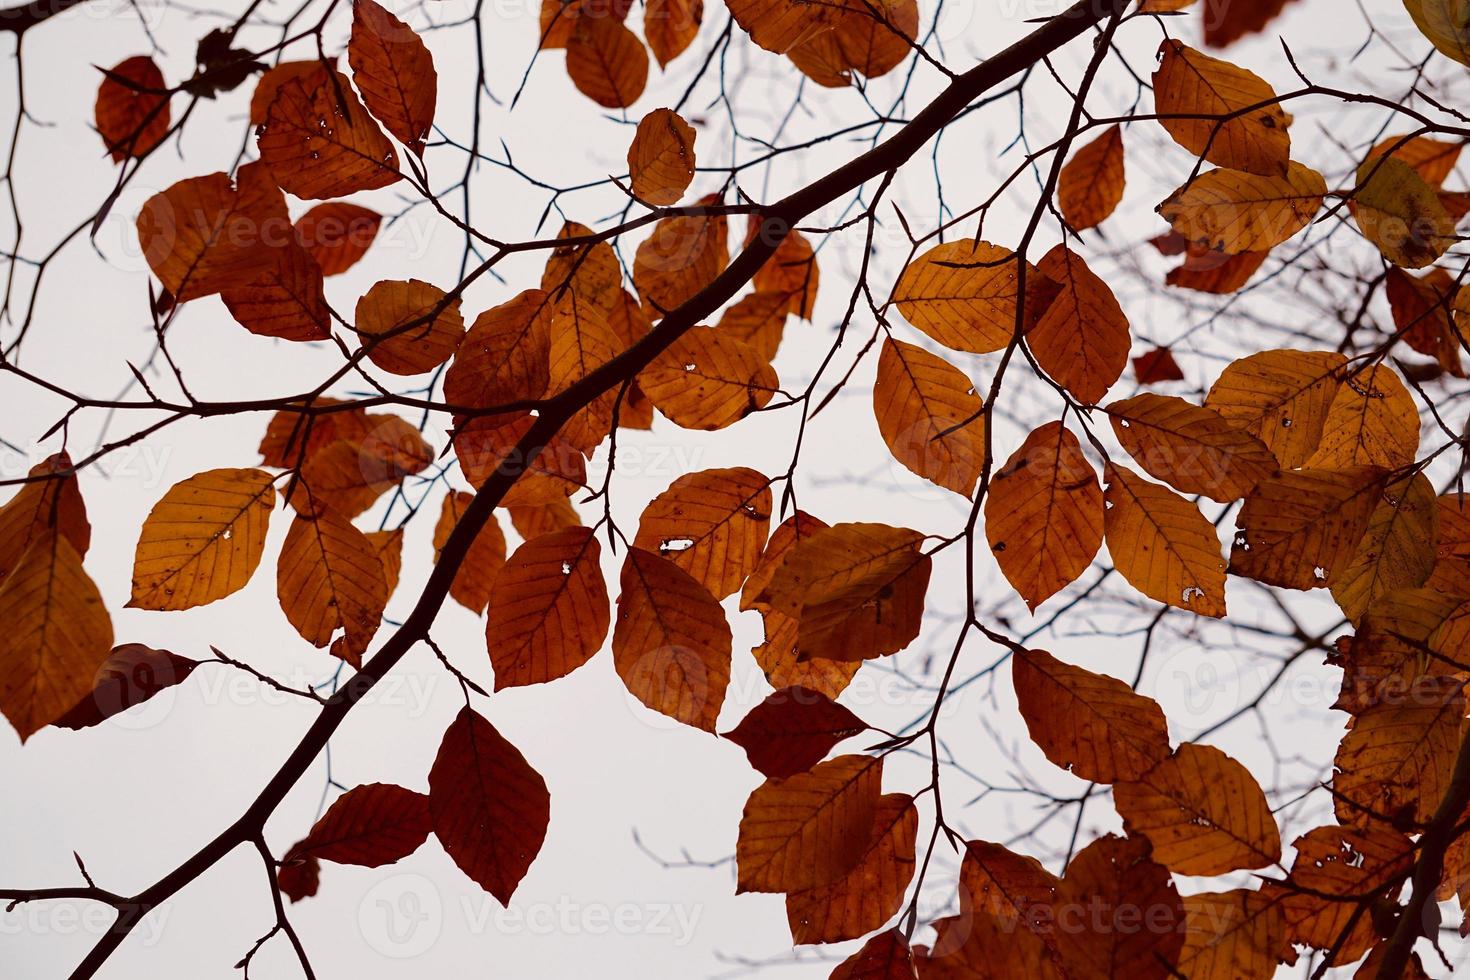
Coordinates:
<point>505,356</point>
<point>586,269</point>
<point>1301,529</point>
<point>793,730</point>
<point>1234,935</point>
<point>712,524</point>
<point>582,342</point>
<point>1091,184</point>
<point>490,808</point>
<point>963,294</point>
<point>284,301</point>
<point>1189,84</point>
<point>791,272</point>
<point>1193,449</point>
<point>759,321</point>
<point>318,140</point>
<point>810,829</point>
<point>482,563</point>
<point>606,61</point>
<point>328,579</point>
<point>130,675</point>
<point>1117,876</point>
<point>867,39</point>
<point>929,415</point>
<point>1372,421</point>
<point>1234,211</point>
<point>548,610</point>
<point>408,327</point>
<point>683,255</point>
<point>1203,811</point>
<point>1337,870</point>
<point>1162,544</point>
<point>204,234</point>
<point>1156,367</point>
<point>1091,724</point>
<point>661,158</point>
<point>349,474</point>
<point>884,957</point>
<point>369,825</point>
<point>1082,339</point>
<point>395,72</point>
<point>1423,310</point>
<point>337,234</point>
<point>203,540</point>
<point>780,25</point>
<point>1396,552</point>
<point>132,111</point>
<point>57,633</point>
<point>670,26</point>
<point>856,591</point>
<point>1208,271</point>
<point>872,892</point>
<point>999,884</point>
<point>708,380</point>
<point>671,644</point>
<point>779,657</point>
<point>1281,397</point>
<point>482,445</point>
<point>1226,21</point>
<point>1044,514</point>
<point>46,501</point>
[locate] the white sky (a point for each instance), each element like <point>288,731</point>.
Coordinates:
<point>135,797</point>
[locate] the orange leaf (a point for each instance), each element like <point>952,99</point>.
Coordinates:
<point>320,142</point>
<point>1281,397</point>
<point>46,501</point>
<point>810,829</point>
<point>369,825</point>
<point>606,61</point>
<point>1092,182</point>
<point>1237,130</point>
<point>1301,529</point>
<point>682,256</point>
<point>548,609</point>
<point>506,356</point>
<point>1193,449</point>
<point>408,327</point>
<point>329,578</point>
<point>661,157</point>
<point>285,301</point>
<point>477,572</point>
<point>708,380</point>
<point>1113,873</point>
<point>337,234</point>
<point>671,644</point>
<point>1082,339</point>
<point>395,72</point>
<point>872,892</point>
<point>1203,811</point>
<point>1162,544</point>
<point>884,957</point>
<point>929,415</point>
<point>780,25</point>
<point>588,270</point>
<point>1091,724</point>
<point>713,524</point>
<point>963,294</point>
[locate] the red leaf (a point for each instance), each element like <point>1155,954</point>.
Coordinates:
<point>131,675</point>
<point>369,825</point>
<point>793,730</point>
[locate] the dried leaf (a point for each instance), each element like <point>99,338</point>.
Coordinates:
<point>929,415</point>
<point>395,72</point>
<point>661,158</point>
<point>793,730</point>
<point>1162,544</point>
<point>1091,184</point>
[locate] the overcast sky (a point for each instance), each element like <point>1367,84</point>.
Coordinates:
<point>136,796</point>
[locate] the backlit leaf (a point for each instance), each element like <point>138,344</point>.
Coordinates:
<point>1091,184</point>
<point>369,825</point>
<point>793,730</point>
<point>1247,130</point>
<point>1193,449</point>
<point>708,380</point>
<point>132,111</point>
<point>337,234</point>
<point>1301,529</point>
<point>408,327</point>
<point>318,140</point>
<point>395,73</point>
<point>1082,339</point>
<point>481,564</point>
<point>330,581</point>
<point>962,294</point>
<point>1396,552</point>
<point>1162,544</point>
<point>661,157</point>
<point>606,61</point>
<point>713,524</point>
<point>872,892</point>
<point>929,415</point>
<point>1116,873</point>
<point>1234,211</point>
<point>1281,397</point>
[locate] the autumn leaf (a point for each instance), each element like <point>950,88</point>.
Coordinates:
<point>132,111</point>
<point>319,142</point>
<point>1301,529</point>
<point>1208,271</point>
<point>57,633</point>
<point>49,499</point>
<point>866,39</point>
<point>759,321</point>
<point>708,380</point>
<point>606,61</point>
<point>1082,339</point>
<point>1396,552</point>
<point>781,25</point>
<point>1335,870</point>
<point>1044,514</point>
<point>999,884</point>
<point>1233,935</point>
<point>670,26</point>
<point>478,569</point>
<point>713,524</point>
<point>1094,725</point>
<point>202,235</point>
<point>683,255</point>
<point>1193,449</point>
<point>884,957</point>
<point>1162,544</point>
<point>203,540</point>
<point>962,294</point>
<point>661,158</point>
<point>1156,366</point>
<point>1399,212</point>
<point>1423,310</point>
<point>1235,211</point>
<point>369,825</point>
<point>792,271</point>
<point>856,591</point>
<point>1118,873</point>
<point>929,415</point>
<point>872,892</point>
<point>1221,112</point>
<point>585,268</point>
<point>1203,811</point>
<point>548,610</point>
<point>1091,184</point>
<point>793,730</point>
<point>489,807</point>
<point>1443,22</point>
<point>1281,397</point>
<point>131,674</point>
<point>408,327</point>
<point>671,643</point>
<point>285,301</point>
<point>505,356</point>
<point>329,579</point>
<point>337,234</point>
<point>810,829</point>
<point>395,73</point>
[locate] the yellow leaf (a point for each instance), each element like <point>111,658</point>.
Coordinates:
<point>1446,23</point>
<point>203,540</point>
<point>1373,421</point>
<point>1399,212</point>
